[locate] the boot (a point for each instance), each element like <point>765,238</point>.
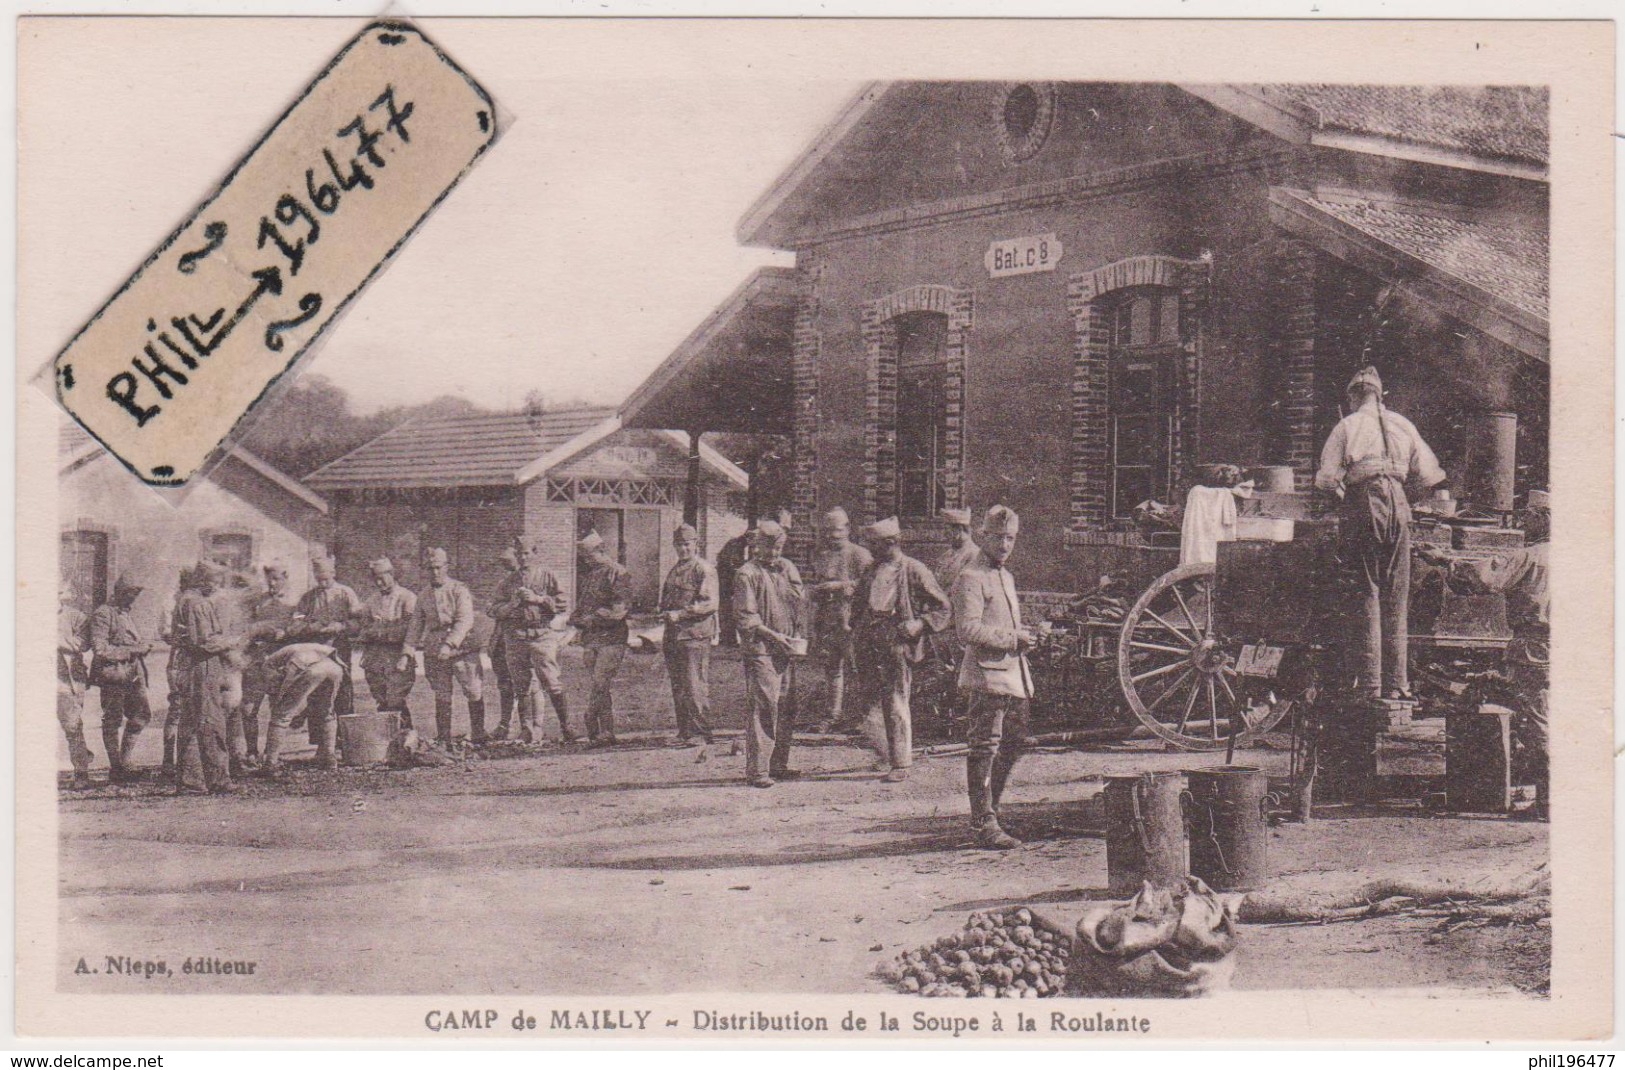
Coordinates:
<point>271,765</point>
<point>1003,763</point>
<point>169,756</point>
<point>442,721</point>
<point>327,744</point>
<point>562,709</point>
<point>110,743</point>
<point>127,748</point>
<point>979,770</point>
<point>476,720</point>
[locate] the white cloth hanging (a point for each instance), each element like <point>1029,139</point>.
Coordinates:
<point>1210,518</point>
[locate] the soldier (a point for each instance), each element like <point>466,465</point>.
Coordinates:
<point>994,673</point>
<point>601,607</point>
<point>962,549</point>
<point>303,678</point>
<point>897,606</point>
<point>688,604</point>
<point>270,614</point>
<point>531,605</point>
<point>72,640</point>
<point>837,567</point>
<point>119,668</point>
<point>213,684</point>
<point>767,609</point>
<point>329,613</point>
<point>506,699</point>
<point>439,629</point>
<point>730,559</point>
<point>1368,460</point>
<point>386,614</point>
<point>1523,576</point>
<point>177,673</point>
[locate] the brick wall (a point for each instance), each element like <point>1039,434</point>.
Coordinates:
<point>806,352</point>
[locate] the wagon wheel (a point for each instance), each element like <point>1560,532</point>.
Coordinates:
<point>1179,677</point>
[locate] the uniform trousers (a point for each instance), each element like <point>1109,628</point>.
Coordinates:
<point>534,654</point>
<point>768,728</point>
<point>603,661</point>
<point>886,681</point>
<point>213,688</point>
<point>70,709</point>
<point>1374,531</point>
<point>124,709</point>
<point>997,736</point>
<point>1531,725</point>
<point>688,664</point>
<point>389,684</point>
<point>464,669</point>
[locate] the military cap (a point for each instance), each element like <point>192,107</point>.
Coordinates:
<point>509,557</point>
<point>276,568</point>
<point>381,567</point>
<point>126,584</point>
<point>685,532</point>
<point>957,517</point>
<point>836,516</point>
<point>769,529</point>
<point>322,566</point>
<point>437,556</point>
<point>1001,520</point>
<point>1366,377</point>
<point>888,528</point>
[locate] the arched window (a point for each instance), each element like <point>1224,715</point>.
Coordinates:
<point>922,414</point>
<point>1143,396</point>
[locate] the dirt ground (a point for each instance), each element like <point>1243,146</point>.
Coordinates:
<point>649,868</point>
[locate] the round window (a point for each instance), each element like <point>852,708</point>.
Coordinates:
<point>1025,112</point>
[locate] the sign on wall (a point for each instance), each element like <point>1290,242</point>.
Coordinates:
<point>1023,256</point>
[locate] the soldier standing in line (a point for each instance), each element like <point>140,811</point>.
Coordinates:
<point>962,549</point>
<point>440,627</point>
<point>688,604</point>
<point>270,614</point>
<point>506,698</point>
<point>72,640</point>
<point>177,673</point>
<point>601,607</point>
<point>897,607</point>
<point>119,668</point>
<point>329,613</point>
<point>386,614</point>
<point>303,678</point>
<point>767,609</point>
<point>837,567</point>
<point>994,674</point>
<point>532,603</point>
<point>213,682</point>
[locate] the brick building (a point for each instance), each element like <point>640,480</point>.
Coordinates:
<point>471,484</point>
<point>1065,296</point>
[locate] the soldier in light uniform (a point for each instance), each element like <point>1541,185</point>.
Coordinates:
<point>213,655</point>
<point>303,678</point>
<point>506,698</point>
<point>72,640</point>
<point>269,617</point>
<point>386,614</point>
<point>838,564</point>
<point>1524,576</point>
<point>962,549</point>
<point>119,668</point>
<point>531,605</point>
<point>688,605</point>
<point>1370,458</point>
<point>439,630</point>
<point>897,606</point>
<point>602,603</point>
<point>993,673</point>
<point>330,613</point>
<point>177,673</point>
<point>767,611</point>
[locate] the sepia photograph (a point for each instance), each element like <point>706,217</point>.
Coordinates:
<point>1076,538</point>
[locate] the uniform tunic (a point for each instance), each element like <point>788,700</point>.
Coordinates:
<point>767,597</point>
<point>690,590</point>
<point>72,640</point>
<point>115,640</point>
<point>606,587</point>
<point>832,615</point>
<point>387,615</point>
<point>890,595</point>
<point>995,676</point>
<point>212,690</point>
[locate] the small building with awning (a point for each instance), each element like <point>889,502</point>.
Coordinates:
<point>470,484</point>
<point>1067,297</point>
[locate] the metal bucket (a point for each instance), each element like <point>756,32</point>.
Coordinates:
<point>1274,478</point>
<point>364,737</point>
<point>1145,832</point>
<point>1228,837</point>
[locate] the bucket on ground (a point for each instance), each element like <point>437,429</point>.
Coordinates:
<point>1229,835</point>
<point>364,738</point>
<point>1478,760</point>
<point>1145,832</point>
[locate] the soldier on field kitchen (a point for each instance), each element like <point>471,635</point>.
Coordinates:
<point>1370,459</point>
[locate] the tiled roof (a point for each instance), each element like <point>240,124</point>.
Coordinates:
<point>1504,258</point>
<point>455,451</point>
<point>1497,122</point>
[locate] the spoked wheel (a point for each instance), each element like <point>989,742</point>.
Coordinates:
<point>1180,677</point>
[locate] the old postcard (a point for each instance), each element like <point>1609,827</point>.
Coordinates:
<point>831,529</point>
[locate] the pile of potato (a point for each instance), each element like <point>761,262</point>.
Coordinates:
<point>994,955</point>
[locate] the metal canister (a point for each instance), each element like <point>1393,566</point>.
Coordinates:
<point>1228,831</point>
<point>1145,832</point>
